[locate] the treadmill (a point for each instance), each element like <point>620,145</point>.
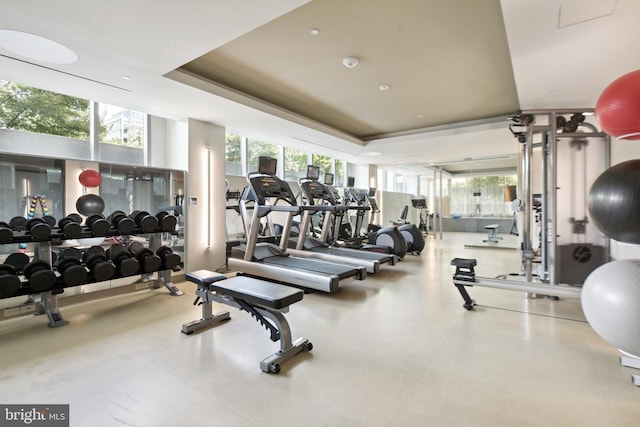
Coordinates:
<point>319,198</point>
<point>273,262</point>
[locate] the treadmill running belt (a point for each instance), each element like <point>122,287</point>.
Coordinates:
<point>342,271</point>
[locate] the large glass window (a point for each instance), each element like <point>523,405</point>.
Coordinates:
<point>121,126</point>
<point>323,162</point>
<point>339,172</point>
<point>40,111</point>
<point>256,149</point>
<point>295,164</point>
<point>233,155</point>
<point>481,195</point>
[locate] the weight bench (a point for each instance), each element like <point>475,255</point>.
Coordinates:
<point>264,301</point>
<point>492,230</point>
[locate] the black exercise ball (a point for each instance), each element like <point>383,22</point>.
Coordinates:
<point>90,204</point>
<point>614,202</point>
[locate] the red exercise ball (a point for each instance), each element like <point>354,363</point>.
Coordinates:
<point>90,178</point>
<point>618,107</point>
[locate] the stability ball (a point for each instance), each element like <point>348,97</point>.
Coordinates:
<point>611,302</point>
<point>614,202</point>
<point>618,107</point>
<point>90,204</point>
<point>90,178</point>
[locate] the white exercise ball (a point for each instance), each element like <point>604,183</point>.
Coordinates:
<point>611,302</point>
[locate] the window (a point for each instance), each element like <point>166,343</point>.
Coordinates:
<point>233,155</point>
<point>256,149</point>
<point>35,110</point>
<point>323,162</point>
<point>339,172</point>
<point>295,164</point>
<point>481,195</point>
<point>120,126</point>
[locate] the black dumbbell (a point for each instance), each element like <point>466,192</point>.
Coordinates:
<point>9,281</point>
<point>148,260</point>
<point>18,260</point>
<point>167,221</point>
<point>98,224</point>
<point>72,271</point>
<point>98,264</point>
<point>70,227</point>
<point>6,233</point>
<point>50,220</point>
<point>124,261</point>
<point>147,222</point>
<point>40,276</point>
<point>122,222</point>
<point>18,223</point>
<point>38,229</point>
<point>170,260</point>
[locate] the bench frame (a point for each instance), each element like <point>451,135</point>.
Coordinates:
<point>216,287</point>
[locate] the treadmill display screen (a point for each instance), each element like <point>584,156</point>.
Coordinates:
<point>313,172</point>
<point>267,165</point>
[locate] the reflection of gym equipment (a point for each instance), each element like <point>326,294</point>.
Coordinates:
<point>492,236</point>
<point>266,302</point>
<point>421,205</point>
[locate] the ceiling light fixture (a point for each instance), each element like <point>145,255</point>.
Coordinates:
<point>350,61</point>
<point>36,48</point>
<point>126,77</point>
<point>314,31</point>
<point>384,87</point>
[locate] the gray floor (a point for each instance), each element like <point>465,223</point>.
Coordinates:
<point>395,350</point>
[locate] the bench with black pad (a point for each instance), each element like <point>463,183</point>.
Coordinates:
<point>492,233</point>
<point>265,301</point>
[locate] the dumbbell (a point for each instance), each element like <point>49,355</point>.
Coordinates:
<point>98,224</point>
<point>17,260</point>
<point>18,223</point>
<point>148,260</point>
<point>71,270</point>
<point>6,233</point>
<point>169,259</point>
<point>147,222</point>
<point>50,220</point>
<point>9,281</point>
<point>167,221</point>
<point>38,228</point>
<point>98,264</point>
<point>124,261</point>
<point>40,276</point>
<point>70,227</point>
<point>122,222</point>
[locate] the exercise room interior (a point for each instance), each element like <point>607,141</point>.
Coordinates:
<point>463,175</point>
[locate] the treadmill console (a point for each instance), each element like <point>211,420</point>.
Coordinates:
<point>271,187</point>
<point>313,190</point>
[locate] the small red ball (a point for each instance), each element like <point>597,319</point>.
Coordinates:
<point>90,178</point>
<point>618,107</point>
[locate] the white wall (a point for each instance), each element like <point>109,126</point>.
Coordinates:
<point>205,234</point>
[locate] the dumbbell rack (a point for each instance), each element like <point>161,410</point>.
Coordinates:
<point>40,303</point>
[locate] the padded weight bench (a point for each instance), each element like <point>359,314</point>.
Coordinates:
<point>492,230</point>
<point>264,301</point>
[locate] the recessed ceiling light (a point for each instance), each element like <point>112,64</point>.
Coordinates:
<point>350,61</point>
<point>126,77</point>
<point>372,154</point>
<point>314,31</point>
<point>420,116</point>
<point>36,48</point>
<point>384,87</point>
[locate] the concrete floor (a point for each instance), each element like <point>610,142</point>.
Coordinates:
<point>395,350</point>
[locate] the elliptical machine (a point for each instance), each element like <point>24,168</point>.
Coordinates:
<point>389,238</point>
<point>411,233</point>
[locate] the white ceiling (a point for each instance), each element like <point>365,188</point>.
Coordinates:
<point>562,54</point>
